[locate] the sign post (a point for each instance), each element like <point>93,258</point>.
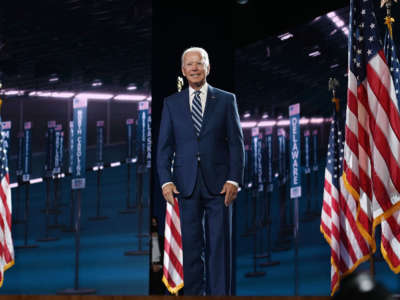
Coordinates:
<point>20,157</point>
<point>71,228</point>
<point>268,171</point>
<point>78,182</point>
<point>295,180</point>
<point>27,152</point>
<point>99,165</point>
<point>261,195</point>
<point>26,170</point>
<point>50,149</point>
<point>130,159</point>
<point>308,214</point>
<point>56,173</point>
<point>284,240</point>
<point>48,176</point>
<point>141,167</point>
<point>256,188</point>
<point>317,209</point>
<point>18,172</point>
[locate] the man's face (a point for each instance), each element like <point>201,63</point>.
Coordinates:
<point>194,69</point>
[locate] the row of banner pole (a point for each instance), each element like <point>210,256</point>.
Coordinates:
<point>259,178</point>
<point>138,153</point>
<point>259,187</point>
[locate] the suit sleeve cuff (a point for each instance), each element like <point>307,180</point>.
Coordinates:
<point>233,182</point>
<point>169,182</point>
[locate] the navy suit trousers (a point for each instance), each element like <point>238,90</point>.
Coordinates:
<point>205,225</point>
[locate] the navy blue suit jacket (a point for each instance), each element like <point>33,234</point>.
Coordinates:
<point>219,145</point>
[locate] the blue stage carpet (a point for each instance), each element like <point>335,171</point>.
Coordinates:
<point>103,265</point>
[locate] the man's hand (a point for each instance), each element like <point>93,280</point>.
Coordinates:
<point>168,192</point>
<point>156,267</point>
<point>230,191</point>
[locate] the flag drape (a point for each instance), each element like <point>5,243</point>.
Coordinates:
<point>368,192</point>
<point>372,148</point>
<point>339,211</point>
<point>6,242</point>
<point>173,254</point>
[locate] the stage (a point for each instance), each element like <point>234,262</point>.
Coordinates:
<point>93,297</point>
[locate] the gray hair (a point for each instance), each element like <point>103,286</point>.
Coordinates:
<point>203,53</point>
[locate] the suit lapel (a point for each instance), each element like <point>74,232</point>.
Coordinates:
<point>210,105</point>
<point>185,100</point>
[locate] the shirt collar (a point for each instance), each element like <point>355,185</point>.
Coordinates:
<point>203,90</point>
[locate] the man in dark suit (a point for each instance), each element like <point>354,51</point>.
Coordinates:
<point>201,138</point>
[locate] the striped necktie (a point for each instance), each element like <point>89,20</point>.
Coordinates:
<point>197,115</point>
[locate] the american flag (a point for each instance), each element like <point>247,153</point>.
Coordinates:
<point>372,149</point>
<point>338,217</point>
<point>173,255</point>
<point>6,243</point>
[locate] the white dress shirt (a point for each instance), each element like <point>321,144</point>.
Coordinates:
<point>203,98</point>
<point>155,250</point>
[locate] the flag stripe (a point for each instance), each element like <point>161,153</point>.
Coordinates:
<point>4,199</point>
<point>380,85</point>
<point>172,228</point>
<point>6,242</point>
<point>391,243</point>
<point>350,222</point>
<point>173,254</point>
<point>173,264</point>
<point>372,151</point>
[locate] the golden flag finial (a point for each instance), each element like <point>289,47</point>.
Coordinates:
<point>383,2</point>
<point>332,85</point>
<point>179,83</point>
<point>337,103</point>
<point>389,20</point>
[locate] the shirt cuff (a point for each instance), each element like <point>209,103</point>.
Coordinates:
<point>233,182</point>
<point>169,182</point>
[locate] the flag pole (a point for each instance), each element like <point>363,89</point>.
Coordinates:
<point>295,183</point>
<point>141,167</point>
<point>388,19</point>
<point>179,85</point>
<point>130,209</point>
<point>173,281</point>
<point>78,183</point>
<point>25,182</point>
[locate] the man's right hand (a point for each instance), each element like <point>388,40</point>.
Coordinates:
<point>168,192</point>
